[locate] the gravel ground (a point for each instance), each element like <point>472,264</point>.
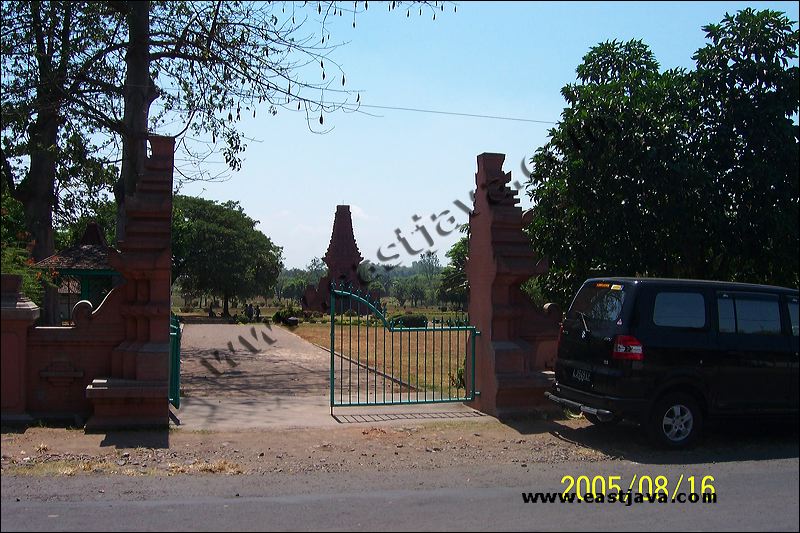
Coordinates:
<point>435,444</point>
<point>393,446</point>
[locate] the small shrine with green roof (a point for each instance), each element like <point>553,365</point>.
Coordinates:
<point>83,271</point>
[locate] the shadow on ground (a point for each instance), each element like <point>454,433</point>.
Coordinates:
<point>136,439</point>
<point>253,372</point>
<point>144,438</point>
<point>388,417</point>
<point>723,441</point>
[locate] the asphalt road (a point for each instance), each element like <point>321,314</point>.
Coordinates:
<point>752,495</point>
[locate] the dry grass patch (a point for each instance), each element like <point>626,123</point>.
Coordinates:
<point>64,467</point>
<point>319,334</point>
<point>222,466</point>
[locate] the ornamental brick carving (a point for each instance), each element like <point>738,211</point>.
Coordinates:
<point>135,391</point>
<point>518,341</point>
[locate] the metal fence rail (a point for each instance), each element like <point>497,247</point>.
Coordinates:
<point>376,360</point>
<point>174,361</point>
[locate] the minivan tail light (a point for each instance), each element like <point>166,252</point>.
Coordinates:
<point>627,348</point>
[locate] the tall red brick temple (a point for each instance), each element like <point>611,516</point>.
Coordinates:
<point>342,258</point>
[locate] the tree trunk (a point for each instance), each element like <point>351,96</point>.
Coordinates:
<point>39,199</point>
<point>37,190</point>
<point>140,91</point>
<point>225,312</point>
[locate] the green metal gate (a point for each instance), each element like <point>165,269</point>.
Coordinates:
<point>379,361</point>
<point>174,361</point>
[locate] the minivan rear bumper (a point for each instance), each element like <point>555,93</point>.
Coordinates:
<point>603,407</point>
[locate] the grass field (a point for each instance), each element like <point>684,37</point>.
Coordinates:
<point>373,362</point>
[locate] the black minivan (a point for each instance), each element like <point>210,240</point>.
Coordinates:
<point>670,353</point>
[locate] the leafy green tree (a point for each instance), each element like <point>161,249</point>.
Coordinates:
<point>12,229</point>
<point>747,79</point>
<point>454,286</point>
<point>216,249</point>
<point>376,277</point>
<point>632,180</point>
<point>104,213</point>
<point>293,282</point>
<point>433,290</point>
<point>316,270</point>
<point>295,288</point>
<point>384,277</point>
<point>376,285</point>
<point>48,152</point>
<point>401,290</point>
<point>16,258</point>
<point>79,80</point>
<point>287,277</point>
<point>416,290</point>
<point>429,265</point>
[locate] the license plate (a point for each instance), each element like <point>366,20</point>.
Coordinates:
<point>582,375</point>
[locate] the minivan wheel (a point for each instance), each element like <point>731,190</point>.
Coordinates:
<point>676,421</point>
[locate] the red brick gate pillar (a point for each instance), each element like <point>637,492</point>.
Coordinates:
<point>17,315</point>
<point>136,392</point>
<point>518,342</point>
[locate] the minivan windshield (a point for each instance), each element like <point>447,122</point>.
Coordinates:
<point>598,302</point>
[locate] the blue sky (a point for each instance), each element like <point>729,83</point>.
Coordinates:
<point>499,59</point>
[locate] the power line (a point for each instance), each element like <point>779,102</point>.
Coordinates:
<point>495,117</point>
<point>355,107</point>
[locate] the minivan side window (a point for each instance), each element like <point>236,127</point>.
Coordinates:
<point>793,316</point>
<point>679,310</point>
<point>749,313</point>
<point>727,314</point>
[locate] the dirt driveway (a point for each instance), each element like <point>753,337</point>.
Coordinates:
<point>250,362</point>
<point>240,377</point>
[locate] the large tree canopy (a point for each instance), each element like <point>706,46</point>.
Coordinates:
<point>79,79</point>
<point>675,173</point>
<point>217,250</point>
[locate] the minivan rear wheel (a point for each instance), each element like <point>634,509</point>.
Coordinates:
<point>676,421</point>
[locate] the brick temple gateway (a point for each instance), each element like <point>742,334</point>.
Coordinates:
<point>111,369</point>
